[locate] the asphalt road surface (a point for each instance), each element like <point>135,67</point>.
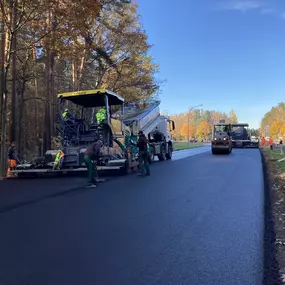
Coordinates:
<point>195,220</point>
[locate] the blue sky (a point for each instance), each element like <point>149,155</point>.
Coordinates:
<point>222,54</point>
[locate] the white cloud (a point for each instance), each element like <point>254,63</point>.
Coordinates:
<point>267,11</point>
<point>241,5</point>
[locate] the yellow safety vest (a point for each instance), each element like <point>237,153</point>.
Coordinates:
<point>64,114</point>
<point>58,157</point>
<point>101,116</point>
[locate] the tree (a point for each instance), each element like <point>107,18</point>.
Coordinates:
<point>254,132</point>
<point>184,130</point>
<point>275,120</point>
<point>275,128</point>
<point>233,117</point>
<point>203,129</point>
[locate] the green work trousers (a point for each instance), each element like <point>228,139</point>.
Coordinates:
<point>91,170</point>
<point>143,162</point>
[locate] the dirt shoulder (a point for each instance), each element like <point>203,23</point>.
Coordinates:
<point>274,235</point>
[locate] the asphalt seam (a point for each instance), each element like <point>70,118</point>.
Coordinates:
<point>15,206</point>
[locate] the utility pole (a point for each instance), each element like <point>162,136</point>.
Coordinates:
<point>189,111</point>
<point>2,100</point>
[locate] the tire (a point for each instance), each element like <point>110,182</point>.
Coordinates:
<point>169,154</point>
<point>162,155</point>
<point>151,156</point>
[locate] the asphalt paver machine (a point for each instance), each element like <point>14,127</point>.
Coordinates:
<point>241,136</point>
<point>77,133</point>
<point>119,153</point>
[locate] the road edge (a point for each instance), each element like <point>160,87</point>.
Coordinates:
<point>271,273</point>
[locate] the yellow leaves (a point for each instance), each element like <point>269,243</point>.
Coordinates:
<point>277,128</point>
<point>184,130</point>
<point>203,129</point>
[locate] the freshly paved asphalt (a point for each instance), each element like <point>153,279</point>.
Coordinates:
<point>197,220</point>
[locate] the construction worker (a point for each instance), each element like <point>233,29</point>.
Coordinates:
<point>263,142</point>
<point>66,115</point>
<point>92,154</point>
<point>12,158</point>
<point>101,115</point>
<point>58,160</point>
<point>270,143</point>
<point>143,154</point>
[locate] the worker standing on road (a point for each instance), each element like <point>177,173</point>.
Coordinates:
<point>263,141</point>
<point>143,155</point>
<point>12,158</point>
<point>271,143</point>
<point>91,155</point>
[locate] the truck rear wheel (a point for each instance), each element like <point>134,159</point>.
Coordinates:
<point>169,153</point>
<point>151,155</point>
<point>162,155</point>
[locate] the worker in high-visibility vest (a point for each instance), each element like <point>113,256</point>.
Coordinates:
<point>101,115</point>
<point>92,153</point>
<point>66,115</point>
<point>12,159</point>
<point>271,143</point>
<point>58,160</point>
<point>263,142</point>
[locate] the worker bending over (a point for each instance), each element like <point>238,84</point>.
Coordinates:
<point>92,153</point>
<point>143,154</point>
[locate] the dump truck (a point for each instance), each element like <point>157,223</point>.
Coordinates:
<point>145,116</point>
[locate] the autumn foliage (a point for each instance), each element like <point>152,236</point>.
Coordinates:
<point>64,45</point>
<point>273,122</point>
<point>201,122</point>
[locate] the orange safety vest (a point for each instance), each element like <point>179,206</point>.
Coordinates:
<point>270,142</point>
<point>263,141</point>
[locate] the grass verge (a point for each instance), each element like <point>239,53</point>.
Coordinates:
<point>184,145</point>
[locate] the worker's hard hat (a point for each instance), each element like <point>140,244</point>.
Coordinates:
<point>100,142</point>
<point>65,110</point>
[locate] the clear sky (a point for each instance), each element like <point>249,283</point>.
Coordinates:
<point>220,53</point>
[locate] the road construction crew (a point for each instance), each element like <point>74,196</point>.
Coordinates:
<point>101,115</point>
<point>270,143</point>
<point>92,153</point>
<point>143,154</point>
<point>12,158</point>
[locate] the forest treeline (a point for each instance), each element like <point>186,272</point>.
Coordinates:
<point>54,46</point>
<point>200,123</point>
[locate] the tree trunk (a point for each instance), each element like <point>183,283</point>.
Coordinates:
<point>13,119</point>
<point>47,127</point>
<point>2,101</point>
